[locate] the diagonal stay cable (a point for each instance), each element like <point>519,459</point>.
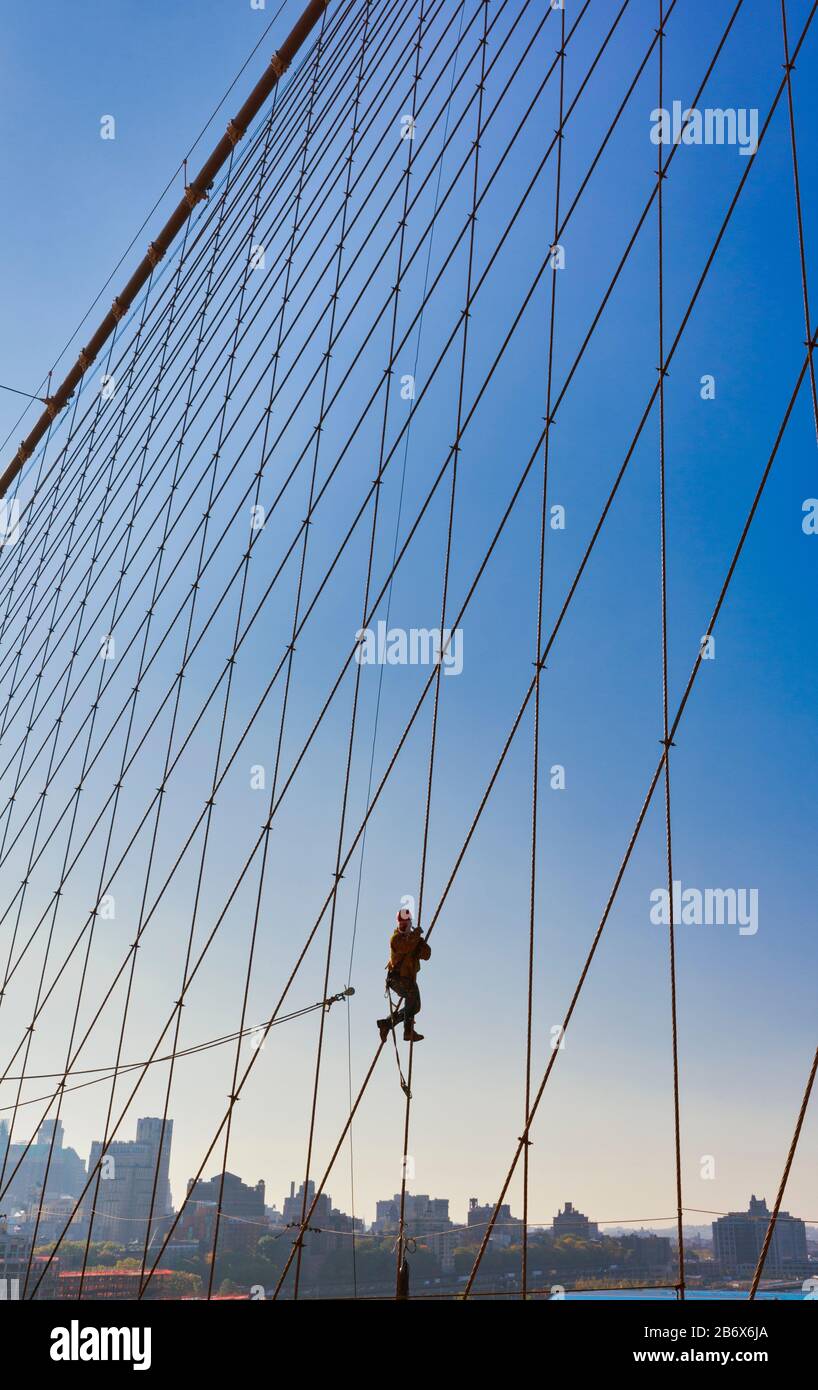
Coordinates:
<point>782,1187</point>
<point>788,67</point>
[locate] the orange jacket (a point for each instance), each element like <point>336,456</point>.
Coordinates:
<point>406,951</point>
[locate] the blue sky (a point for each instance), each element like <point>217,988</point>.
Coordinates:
<point>743,792</point>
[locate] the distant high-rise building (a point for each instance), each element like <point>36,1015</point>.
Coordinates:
<point>739,1236</point>
<point>507,1228</point>
<point>334,1225</point>
<point>26,1167</point>
<point>243,1220</point>
<point>121,1201</point>
<point>422,1214</point>
<point>570,1222</point>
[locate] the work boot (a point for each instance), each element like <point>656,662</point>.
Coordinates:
<point>384,1027</point>
<point>409,1035</point>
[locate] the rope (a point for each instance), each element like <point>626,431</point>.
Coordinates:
<point>105,1073</point>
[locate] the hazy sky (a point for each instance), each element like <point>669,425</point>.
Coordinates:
<point>744,798</point>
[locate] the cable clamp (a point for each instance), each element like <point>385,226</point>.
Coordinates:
<point>235,132</point>
<point>193,195</point>
<point>23,452</point>
<point>84,359</point>
<point>50,403</point>
<point>278,64</point>
<point>154,254</point>
<point>118,309</point>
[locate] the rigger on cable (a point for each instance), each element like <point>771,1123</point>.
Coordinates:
<point>407,949</point>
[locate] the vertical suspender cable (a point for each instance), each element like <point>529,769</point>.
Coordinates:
<point>538,665</point>
<point>401,1240</point>
<point>666,740</point>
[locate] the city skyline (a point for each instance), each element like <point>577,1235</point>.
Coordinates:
<point>568,1219</point>
<point>744,797</point>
